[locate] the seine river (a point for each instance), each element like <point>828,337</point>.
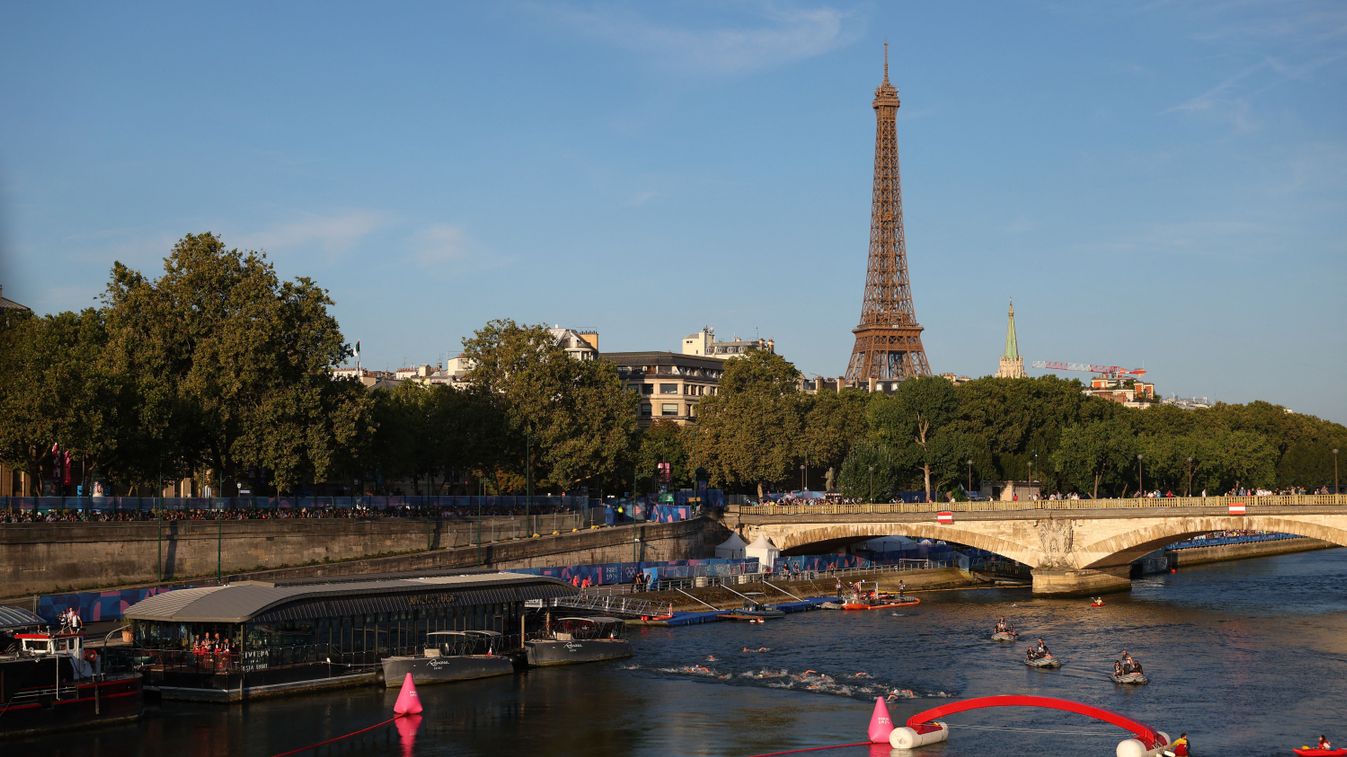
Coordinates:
<point>1248,657</point>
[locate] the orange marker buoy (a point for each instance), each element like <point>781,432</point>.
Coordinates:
<point>408,702</point>
<point>880,723</point>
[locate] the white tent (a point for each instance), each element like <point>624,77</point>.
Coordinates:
<point>763,549</point>
<point>732,548</point>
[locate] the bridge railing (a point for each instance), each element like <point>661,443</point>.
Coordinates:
<point>1133,503</point>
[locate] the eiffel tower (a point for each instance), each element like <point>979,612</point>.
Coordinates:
<point>888,338</point>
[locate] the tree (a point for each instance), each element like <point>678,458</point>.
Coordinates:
<point>1095,453</point>
<point>833,421</point>
<point>914,415</point>
<point>231,365</point>
<point>664,441</point>
<point>871,472</point>
<point>575,413</point>
<point>57,391</point>
<point>748,433</point>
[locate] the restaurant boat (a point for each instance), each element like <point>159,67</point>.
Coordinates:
<point>451,656</point>
<point>568,641</point>
<point>253,639</point>
<point>50,681</point>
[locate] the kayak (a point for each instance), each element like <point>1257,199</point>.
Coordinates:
<point>1047,663</point>
<point>1005,636</point>
<point>1310,752</point>
<point>1133,678</point>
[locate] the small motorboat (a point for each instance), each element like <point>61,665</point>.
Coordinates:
<point>1047,663</point>
<point>451,656</point>
<point>1010,635</point>
<point>1097,602</point>
<point>1136,679</point>
<point>1309,751</point>
<point>754,611</point>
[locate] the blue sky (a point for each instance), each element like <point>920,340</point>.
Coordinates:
<point>1156,184</point>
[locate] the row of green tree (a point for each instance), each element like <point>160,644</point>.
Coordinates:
<point>942,439</point>
<point>220,369</point>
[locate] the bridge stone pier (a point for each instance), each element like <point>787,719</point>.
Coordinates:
<point>1074,547</point>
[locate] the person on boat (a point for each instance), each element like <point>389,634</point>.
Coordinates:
<point>1118,669</point>
<point>1324,743</point>
<point>902,587</point>
<point>1042,650</point>
<point>1180,745</point>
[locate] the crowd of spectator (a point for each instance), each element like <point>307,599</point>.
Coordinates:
<point>71,515</point>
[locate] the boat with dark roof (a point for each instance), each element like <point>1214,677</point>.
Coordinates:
<point>451,656</point>
<point>49,680</point>
<point>569,641</point>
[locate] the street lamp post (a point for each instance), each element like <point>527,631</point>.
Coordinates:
<point>1336,490</point>
<point>1190,478</point>
<point>1140,480</point>
<point>970,477</point>
<point>871,491</point>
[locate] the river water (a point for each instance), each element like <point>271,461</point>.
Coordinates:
<point>1248,657</point>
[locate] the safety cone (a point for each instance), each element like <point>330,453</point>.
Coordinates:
<point>880,724</point>
<point>408,702</point>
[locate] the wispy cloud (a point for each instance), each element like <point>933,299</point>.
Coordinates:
<point>331,233</point>
<point>776,35</point>
<point>439,244</point>
<point>637,199</point>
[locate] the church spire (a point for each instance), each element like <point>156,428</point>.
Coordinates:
<point>1012,365</point>
<point>1012,344</point>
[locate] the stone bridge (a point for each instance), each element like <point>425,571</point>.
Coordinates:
<point>1072,546</point>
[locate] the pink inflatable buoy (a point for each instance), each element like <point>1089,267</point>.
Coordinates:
<point>880,723</point>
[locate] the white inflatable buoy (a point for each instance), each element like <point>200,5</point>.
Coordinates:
<point>908,738</point>
<point>1136,748</point>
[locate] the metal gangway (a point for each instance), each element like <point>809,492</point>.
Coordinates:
<point>609,604</point>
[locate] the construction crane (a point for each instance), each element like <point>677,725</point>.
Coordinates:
<point>1111,371</point>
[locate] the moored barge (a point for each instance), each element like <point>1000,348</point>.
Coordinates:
<point>252,640</point>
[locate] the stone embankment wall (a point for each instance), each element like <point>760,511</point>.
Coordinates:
<point>1202,555</point>
<point>41,558</point>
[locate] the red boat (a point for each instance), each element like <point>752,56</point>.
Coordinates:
<point>50,681</point>
<point>876,600</point>
<point>1312,752</point>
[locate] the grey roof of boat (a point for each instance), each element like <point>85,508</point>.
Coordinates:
<point>17,617</point>
<point>240,602</point>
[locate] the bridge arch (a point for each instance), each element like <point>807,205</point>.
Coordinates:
<point>797,536</point>
<point>923,722</point>
<point>1128,546</point>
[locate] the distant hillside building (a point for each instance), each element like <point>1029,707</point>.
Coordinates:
<point>1124,390</point>
<point>670,385</point>
<point>1012,365</point>
<point>704,343</point>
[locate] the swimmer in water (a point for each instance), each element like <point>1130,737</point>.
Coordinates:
<point>710,658</point>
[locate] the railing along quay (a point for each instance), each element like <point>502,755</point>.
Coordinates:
<point>993,506</point>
